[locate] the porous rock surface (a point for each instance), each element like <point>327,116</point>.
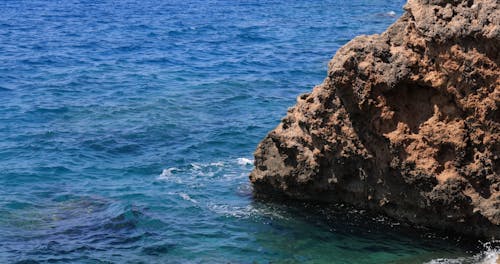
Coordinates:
<point>406,123</point>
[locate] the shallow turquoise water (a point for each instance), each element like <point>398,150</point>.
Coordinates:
<point>127,131</point>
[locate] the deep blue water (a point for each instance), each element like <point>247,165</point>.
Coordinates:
<point>127,130</point>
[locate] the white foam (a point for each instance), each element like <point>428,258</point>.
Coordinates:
<point>233,211</point>
<point>170,175</point>
<point>186,197</point>
<point>244,211</point>
<point>167,173</point>
<point>225,170</point>
<point>491,256</point>
<point>244,161</point>
<point>391,13</point>
<point>196,166</point>
<point>488,256</point>
<point>217,164</point>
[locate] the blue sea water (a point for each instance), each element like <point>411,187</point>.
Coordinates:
<point>127,130</point>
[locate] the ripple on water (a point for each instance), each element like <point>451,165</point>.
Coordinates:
<point>127,130</point>
<point>73,224</point>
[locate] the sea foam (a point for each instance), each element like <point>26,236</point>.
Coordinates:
<point>244,161</point>
<point>167,173</point>
<point>490,255</point>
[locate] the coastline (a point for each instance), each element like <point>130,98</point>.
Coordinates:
<point>405,124</point>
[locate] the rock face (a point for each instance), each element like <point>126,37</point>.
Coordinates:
<point>406,123</point>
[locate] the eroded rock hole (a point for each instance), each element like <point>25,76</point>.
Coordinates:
<point>411,105</point>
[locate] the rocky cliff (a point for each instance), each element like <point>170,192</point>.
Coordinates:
<point>406,123</point>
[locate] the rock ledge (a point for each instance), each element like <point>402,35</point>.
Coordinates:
<point>406,123</point>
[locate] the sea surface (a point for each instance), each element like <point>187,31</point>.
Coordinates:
<point>127,130</point>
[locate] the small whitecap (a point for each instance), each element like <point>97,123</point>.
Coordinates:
<point>244,161</point>
<point>488,256</point>
<point>186,197</point>
<point>391,13</point>
<point>491,256</point>
<point>167,173</point>
<point>223,209</point>
<point>244,211</point>
<point>217,164</point>
<point>244,189</point>
<point>195,166</point>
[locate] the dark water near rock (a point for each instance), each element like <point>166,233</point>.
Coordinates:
<point>127,130</point>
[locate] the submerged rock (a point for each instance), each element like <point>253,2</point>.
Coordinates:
<point>406,123</point>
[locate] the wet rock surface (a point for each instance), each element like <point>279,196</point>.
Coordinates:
<point>406,123</point>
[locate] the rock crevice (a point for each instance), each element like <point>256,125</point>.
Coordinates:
<point>406,123</point>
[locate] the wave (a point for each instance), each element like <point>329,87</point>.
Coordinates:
<point>217,164</point>
<point>244,161</point>
<point>167,173</point>
<point>490,255</point>
<point>186,197</point>
<point>226,169</point>
<point>248,211</point>
<point>157,250</point>
<point>390,14</point>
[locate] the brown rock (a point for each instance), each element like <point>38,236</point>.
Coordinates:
<point>406,123</point>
